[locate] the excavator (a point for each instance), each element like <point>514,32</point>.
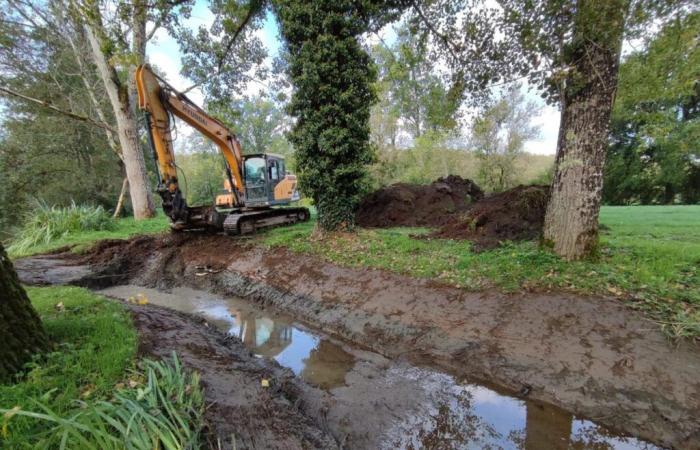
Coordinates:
<point>258,187</point>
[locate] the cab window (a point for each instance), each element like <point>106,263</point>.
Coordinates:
<point>254,170</point>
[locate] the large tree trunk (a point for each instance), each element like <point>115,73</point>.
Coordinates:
<point>571,222</point>
<point>127,131</point>
<point>21,332</point>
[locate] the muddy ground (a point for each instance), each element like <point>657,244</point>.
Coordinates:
<point>591,356</point>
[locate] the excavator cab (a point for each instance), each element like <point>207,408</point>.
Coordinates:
<point>266,183</point>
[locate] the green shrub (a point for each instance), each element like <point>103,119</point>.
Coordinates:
<point>166,412</point>
<point>45,224</point>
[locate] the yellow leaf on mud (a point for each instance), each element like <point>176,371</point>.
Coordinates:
<point>265,382</point>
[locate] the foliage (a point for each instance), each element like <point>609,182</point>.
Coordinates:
<point>435,155</point>
<point>332,76</point>
<point>498,137</point>
<point>259,123</point>
<point>221,57</point>
<point>44,154</point>
<point>45,224</point>
<point>653,157</point>
<point>412,86</point>
<point>648,258</point>
<point>81,240</point>
<point>167,412</point>
<point>94,345</point>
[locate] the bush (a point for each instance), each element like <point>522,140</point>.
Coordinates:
<point>45,224</point>
<point>166,412</point>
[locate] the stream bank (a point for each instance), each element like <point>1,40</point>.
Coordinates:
<point>591,356</point>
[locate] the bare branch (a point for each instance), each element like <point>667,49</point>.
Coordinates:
<point>54,108</point>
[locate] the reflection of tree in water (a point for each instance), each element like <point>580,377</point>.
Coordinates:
<point>327,365</point>
<point>453,424</point>
<point>549,427</point>
<point>592,436</point>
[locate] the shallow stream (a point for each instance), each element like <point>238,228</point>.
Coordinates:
<point>390,403</point>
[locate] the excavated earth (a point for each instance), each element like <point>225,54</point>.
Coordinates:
<point>459,209</point>
<point>591,356</point>
<point>411,205</point>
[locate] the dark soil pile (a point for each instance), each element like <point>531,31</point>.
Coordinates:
<point>411,205</point>
<point>516,214</point>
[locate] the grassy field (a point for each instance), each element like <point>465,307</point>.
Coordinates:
<point>95,346</point>
<point>649,257</point>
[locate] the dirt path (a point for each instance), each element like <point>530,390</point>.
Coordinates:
<point>592,356</point>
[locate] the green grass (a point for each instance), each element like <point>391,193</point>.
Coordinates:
<point>81,239</point>
<point>95,344</point>
<point>649,257</point>
<point>166,411</point>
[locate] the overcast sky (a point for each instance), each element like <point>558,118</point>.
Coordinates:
<point>163,52</point>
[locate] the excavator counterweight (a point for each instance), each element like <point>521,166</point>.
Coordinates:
<point>257,186</point>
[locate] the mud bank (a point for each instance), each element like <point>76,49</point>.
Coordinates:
<point>591,356</point>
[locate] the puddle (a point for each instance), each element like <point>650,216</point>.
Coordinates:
<point>379,403</point>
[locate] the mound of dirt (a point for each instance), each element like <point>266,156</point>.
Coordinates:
<point>516,214</point>
<point>411,205</point>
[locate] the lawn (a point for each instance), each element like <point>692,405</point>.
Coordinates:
<point>649,257</point>
<point>94,347</point>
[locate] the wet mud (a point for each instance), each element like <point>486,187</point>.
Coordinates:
<point>558,363</point>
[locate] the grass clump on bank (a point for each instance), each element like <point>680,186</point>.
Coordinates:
<point>165,412</point>
<point>94,345</point>
<point>77,226</point>
<point>649,256</point>
<point>86,392</point>
<point>46,224</point>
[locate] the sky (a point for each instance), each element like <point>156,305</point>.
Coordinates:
<point>163,52</point>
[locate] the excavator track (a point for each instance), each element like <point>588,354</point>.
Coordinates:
<point>248,222</point>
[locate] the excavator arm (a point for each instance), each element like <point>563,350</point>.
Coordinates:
<point>159,100</point>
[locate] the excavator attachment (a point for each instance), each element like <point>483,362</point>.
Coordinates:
<point>258,186</point>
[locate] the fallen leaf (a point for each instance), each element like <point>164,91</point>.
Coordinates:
<point>265,382</point>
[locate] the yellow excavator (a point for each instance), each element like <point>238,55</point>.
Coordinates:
<point>257,186</point>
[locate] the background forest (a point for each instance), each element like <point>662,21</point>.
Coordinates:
<point>419,131</point>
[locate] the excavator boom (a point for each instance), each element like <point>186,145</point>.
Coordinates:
<point>160,101</point>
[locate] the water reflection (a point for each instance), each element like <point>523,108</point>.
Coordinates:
<point>467,416</point>
<point>394,405</point>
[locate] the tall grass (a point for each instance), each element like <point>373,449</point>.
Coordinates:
<point>45,224</point>
<point>165,413</point>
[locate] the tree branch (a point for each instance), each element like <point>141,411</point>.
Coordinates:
<point>54,108</point>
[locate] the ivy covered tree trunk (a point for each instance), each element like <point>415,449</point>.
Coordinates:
<point>21,332</point>
<point>571,221</point>
<point>333,77</point>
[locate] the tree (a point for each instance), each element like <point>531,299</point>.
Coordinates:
<point>258,122</point>
<point>570,50</point>
<point>332,76</point>
<point>653,155</point>
<point>415,92</point>
<point>498,137</point>
<point>45,151</point>
<point>21,331</point>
